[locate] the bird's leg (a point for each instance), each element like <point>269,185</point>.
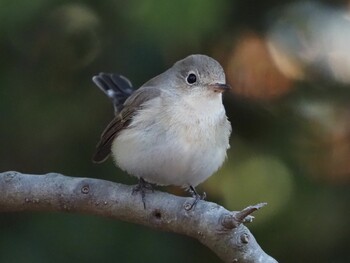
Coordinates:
<point>196,196</point>
<point>142,187</point>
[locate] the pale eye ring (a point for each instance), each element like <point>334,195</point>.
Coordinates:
<point>191,78</point>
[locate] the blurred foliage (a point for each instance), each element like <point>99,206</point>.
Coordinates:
<point>289,109</point>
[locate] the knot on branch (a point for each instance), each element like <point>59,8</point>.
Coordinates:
<point>85,189</point>
<point>231,221</point>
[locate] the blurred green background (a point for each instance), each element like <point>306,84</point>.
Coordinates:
<point>289,64</point>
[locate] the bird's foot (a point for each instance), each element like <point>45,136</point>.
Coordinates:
<point>142,187</point>
<point>196,196</point>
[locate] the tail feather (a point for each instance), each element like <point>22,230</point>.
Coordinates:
<point>117,87</point>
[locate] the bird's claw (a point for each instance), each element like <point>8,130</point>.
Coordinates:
<point>142,187</point>
<point>196,197</point>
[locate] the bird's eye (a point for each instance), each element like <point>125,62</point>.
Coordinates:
<point>191,78</point>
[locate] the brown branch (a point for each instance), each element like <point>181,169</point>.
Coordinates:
<point>214,226</point>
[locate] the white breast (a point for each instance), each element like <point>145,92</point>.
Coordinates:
<point>179,145</point>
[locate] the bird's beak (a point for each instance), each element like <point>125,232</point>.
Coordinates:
<point>219,87</point>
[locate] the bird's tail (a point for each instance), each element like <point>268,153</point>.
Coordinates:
<point>117,87</point>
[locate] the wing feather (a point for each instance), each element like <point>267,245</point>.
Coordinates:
<point>120,122</point>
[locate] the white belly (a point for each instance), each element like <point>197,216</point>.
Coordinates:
<point>165,149</point>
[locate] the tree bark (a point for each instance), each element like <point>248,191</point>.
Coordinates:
<point>219,229</point>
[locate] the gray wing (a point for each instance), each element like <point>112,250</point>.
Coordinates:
<point>122,120</point>
<point>116,87</point>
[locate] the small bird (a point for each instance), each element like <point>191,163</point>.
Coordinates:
<point>173,130</point>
